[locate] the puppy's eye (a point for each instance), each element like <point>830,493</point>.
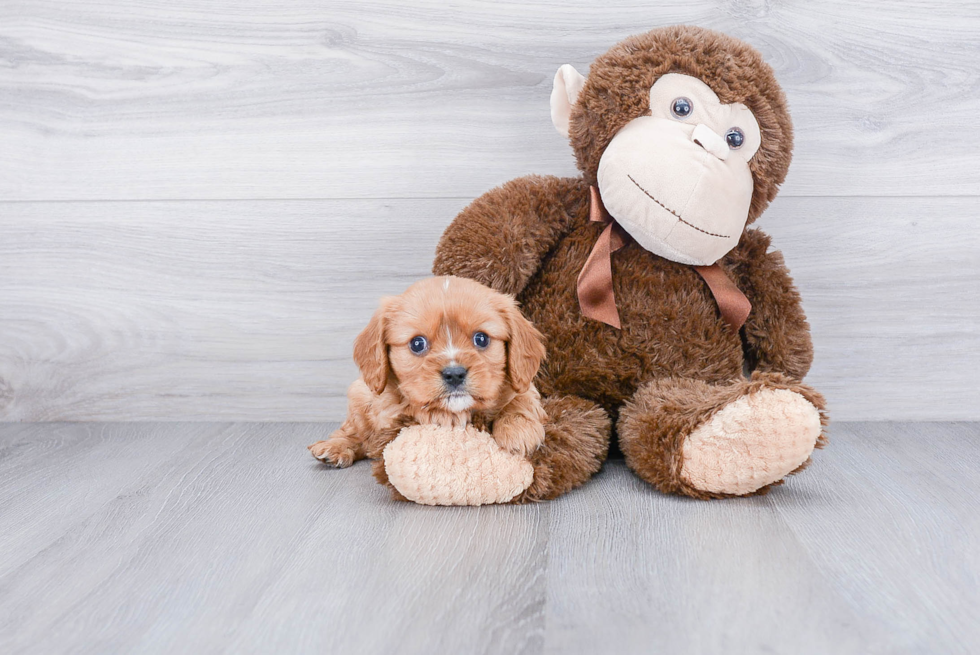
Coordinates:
<point>735,138</point>
<point>418,345</point>
<point>681,107</point>
<point>481,340</point>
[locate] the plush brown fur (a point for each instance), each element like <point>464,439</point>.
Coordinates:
<point>575,445</point>
<point>531,237</point>
<point>399,388</point>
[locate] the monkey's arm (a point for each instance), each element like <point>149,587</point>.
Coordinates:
<point>501,237</point>
<point>777,334</point>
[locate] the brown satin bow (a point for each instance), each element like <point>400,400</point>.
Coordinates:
<point>595,288</point>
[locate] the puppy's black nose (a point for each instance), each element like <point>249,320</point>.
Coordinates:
<point>454,376</point>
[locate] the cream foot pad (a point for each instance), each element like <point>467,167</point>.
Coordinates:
<point>755,441</point>
<point>432,465</point>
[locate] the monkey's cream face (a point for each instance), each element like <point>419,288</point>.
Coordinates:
<point>678,180</point>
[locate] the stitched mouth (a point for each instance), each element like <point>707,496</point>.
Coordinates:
<point>648,195</point>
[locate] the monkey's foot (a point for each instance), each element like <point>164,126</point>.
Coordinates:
<point>754,441</point>
<point>706,440</point>
<point>432,465</point>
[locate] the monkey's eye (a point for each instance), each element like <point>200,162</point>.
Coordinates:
<point>481,340</point>
<point>418,345</point>
<point>735,138</point>
<point>681,107</point>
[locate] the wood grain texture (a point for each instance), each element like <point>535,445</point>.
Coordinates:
<point>197,310</point>
<point>890,289</point>
<point>688,576</point>
<point>247,311</point>
<point>872,550</point>
<point>381,120</point>
<point>229,538</point>
<point>921,518</point>
<point>293,99</point>
<point>236,540</point>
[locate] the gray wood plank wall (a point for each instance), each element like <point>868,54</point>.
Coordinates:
<point>201,201</point>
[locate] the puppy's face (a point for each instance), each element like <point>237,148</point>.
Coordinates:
<point>449,343</point>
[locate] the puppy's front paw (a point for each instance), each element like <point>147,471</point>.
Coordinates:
<point>518,437</point>
<point>334,451</point>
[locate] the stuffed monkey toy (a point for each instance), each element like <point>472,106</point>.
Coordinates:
<point>654,296</point>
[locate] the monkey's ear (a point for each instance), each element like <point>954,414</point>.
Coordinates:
<point>371,349</point>
<point>568,84</point>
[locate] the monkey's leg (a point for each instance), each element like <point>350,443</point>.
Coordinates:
<point>714,441</point>
<point>576,442</point>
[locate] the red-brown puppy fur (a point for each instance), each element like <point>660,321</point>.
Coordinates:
<point>399,387</point>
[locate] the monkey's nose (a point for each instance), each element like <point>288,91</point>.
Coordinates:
<point>454,376</point>
<point>708,139</point>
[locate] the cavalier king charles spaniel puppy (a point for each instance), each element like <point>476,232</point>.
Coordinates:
<point>449,351</point>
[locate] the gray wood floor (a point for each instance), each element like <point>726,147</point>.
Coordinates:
<point>198,537</point>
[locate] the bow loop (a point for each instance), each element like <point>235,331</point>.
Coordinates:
<point>595,288</point>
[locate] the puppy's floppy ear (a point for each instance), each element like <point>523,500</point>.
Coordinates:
<point>371,349</point>
<point>525,348</point>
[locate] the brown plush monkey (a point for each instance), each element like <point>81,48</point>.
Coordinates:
<point>650,290</point>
